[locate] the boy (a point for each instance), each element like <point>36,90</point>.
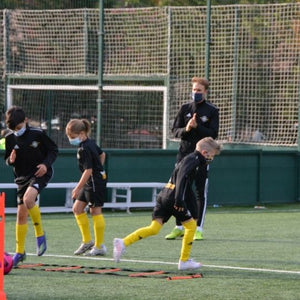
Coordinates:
<point>31,153</point>
<point>176,199</point>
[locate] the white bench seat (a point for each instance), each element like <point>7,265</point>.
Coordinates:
<point>120,190</point>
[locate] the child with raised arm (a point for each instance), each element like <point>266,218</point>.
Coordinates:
<point>31,153</point>
<point>176,199</point>
<point>91,188</point>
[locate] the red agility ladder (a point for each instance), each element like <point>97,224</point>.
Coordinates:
<point>2,222</point>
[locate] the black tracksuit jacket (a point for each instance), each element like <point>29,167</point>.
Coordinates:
<point>34,147</point>
<point>208,125</point>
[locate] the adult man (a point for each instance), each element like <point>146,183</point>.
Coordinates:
<point>195,121</point>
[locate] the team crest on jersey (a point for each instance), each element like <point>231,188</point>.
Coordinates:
<point>34,144</point>
<point>188,213</point>
<point>204,119</point>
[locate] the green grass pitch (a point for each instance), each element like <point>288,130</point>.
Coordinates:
<point>246,254</point>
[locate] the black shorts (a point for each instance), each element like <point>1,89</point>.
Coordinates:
<point>93,195</point>
<point>39,183</point>
<point>164,209</point>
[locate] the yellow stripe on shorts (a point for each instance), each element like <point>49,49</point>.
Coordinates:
<point>170,186</point>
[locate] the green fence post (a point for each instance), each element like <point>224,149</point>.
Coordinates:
<point>100,68</point>
<point>208,41</point>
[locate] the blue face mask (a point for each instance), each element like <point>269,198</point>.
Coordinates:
<point>197,97</point>
<point>75,142</point>
<point>20,131</point>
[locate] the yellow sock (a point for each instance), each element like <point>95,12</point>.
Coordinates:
<point>187,241</point>
<point>99,227</point>
<point>84,226</point>
<point>35,215</point>
<point>21,231</point>
<point>142,233</point>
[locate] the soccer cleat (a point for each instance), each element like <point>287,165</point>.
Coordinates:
<point>175,233</point>
<point>198,236</point>
<point>41,245</point>
<point>96,251</point>
<point>18,257</point>
<point>188,265</point>
<point>84,247</point>
<point>119,249</point>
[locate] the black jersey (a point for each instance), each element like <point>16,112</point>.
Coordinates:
<point>88,158</point>
<point>179,187</point>
<point>208,125</point>
<point>34,147</point>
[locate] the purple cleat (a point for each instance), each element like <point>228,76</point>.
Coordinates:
<point>41,245</point>
<point>18,257</point>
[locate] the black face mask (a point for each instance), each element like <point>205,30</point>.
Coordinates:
<point>197,97</point>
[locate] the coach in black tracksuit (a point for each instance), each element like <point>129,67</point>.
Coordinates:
<point>194,121</point>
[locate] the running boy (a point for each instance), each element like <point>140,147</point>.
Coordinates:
<point>176,199</point>
<point>31,153</point>
<point>90,189</point>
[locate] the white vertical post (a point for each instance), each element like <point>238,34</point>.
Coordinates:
<point>9,99</point>
<point>165,117</point>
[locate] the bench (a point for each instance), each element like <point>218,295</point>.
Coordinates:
<point>120,190</point>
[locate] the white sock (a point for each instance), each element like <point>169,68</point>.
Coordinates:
<point>179,227</point>
<point>199,228</point>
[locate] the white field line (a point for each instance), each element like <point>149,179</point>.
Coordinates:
<point>169,263</point>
